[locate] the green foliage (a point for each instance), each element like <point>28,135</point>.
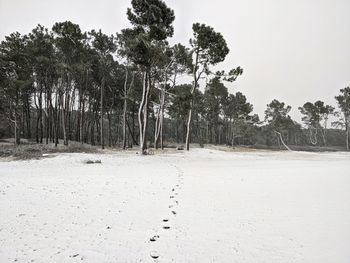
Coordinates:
<point>315,113</point>
<point>343,101</point>
<point>152,24</point>
<point>152,18</point>
<point>277,116</point>
<point>68,40</point>
<point>214,98</point>
<point>180,102</point>
<point>210,45</point>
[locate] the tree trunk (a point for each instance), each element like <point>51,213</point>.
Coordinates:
<point>41,114</point>
<point>323,133</point>
<point>65,142</point>
<point>143,113</point>
<point>195,82</point>
<point>347,136</point>
<point>124,109</point>
<point>102,136</point>
<point>82,116</point>
<point>157,128</point>
<point>280,137</point>
<point>188,127</point>
<point>109,129</point>
<point>161,127</point>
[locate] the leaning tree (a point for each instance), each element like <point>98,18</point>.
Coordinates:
<point>208,48</point>
<point>278,119</point>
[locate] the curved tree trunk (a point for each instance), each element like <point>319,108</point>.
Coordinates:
<point>143,113</point>
<point>280,136</point>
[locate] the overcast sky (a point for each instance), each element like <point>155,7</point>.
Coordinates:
<point>291,50</point>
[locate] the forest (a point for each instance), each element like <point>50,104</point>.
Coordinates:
<point>62,84</point>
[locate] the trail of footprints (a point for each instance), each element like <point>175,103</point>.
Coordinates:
<point>172,207</point>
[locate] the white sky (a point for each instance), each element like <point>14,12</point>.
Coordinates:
<point>291,50</point>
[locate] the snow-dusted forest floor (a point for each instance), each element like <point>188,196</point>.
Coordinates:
<point>201,206</point>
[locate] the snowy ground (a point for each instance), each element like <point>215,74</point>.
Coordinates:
<point>221,207</point>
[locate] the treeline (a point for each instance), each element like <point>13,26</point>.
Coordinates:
<point>123,90</point>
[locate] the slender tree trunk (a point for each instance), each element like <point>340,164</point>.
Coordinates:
<point>109,129</point>
<point>71,116</point>
<point>188,127</point>
<point>102,136</point>
<point>41,115</point>
<point>143,112</point>
<point>347,135</point>
<point>82,122</point>
<point>157,128</point>
<point>125,108</point>
<point>65,142</point>
<point>161,127</point>
<point>28,119</point>
<point>280,137</point>
<point>47,117</point>
<point>195,83</point>
<point>82,98</point>
<point>37,118</point>
<point>177,131</point>
<point>57,115</point>
<point>323,133</point>
<point>131,132</point>
<point>17,132</point>
<point>92,131</point>
<point>17,140</point>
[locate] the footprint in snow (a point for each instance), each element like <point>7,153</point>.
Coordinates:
<point>154,254</point>
<point>154,238</point>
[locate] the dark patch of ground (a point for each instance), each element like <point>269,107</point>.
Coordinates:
<point>31,150</point>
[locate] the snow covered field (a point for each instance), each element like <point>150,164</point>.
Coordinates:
<point>218,207</point>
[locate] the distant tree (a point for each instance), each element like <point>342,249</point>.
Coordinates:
<point>16,80</point>
<point>179,108</point>
<point>279,121</point>
<point>237,111</point>
<point>343,101</point>
<point>68,41</point>
<point>208,48</point>
<point>180,103</point>
<point>43,62</point>
<point>315,117</point>
<point>105,46</point>
<point>214,97</point>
